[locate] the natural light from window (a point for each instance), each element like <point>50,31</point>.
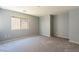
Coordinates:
<point>24,24</point>
<point>19,23</point>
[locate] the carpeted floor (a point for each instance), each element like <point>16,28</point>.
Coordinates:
<point>39,44</point>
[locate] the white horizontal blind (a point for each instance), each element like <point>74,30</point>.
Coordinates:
<point>24,24</point>
<point>15,23</point>
<point>19,23</point>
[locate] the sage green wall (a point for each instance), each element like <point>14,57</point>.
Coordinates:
<point>74,26</point>
<point>61,25</point>
<point>52,25</point>
<point>44,25</point>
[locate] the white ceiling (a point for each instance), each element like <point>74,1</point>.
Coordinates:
<point>40,10</point>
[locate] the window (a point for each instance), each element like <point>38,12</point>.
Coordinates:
<point>24,24</point>
<point>19,23</point>
<point>15,23</point>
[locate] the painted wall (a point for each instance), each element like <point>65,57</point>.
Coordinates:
<point>64,25</point>
<point>5,25</point>
<point>67,25</point>
<point>55,25</point>
<point>52,25</point>
<point>61,25</point>
<point>74,26</point>
<point>44,25</point>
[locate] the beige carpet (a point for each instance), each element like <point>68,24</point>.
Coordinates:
<point>39,44</point>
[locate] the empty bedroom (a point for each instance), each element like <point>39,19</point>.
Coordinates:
<point>39,29</point>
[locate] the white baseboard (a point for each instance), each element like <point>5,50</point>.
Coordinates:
<point>46,35</point>
<point>73,41</point>
<point>62,36</point>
